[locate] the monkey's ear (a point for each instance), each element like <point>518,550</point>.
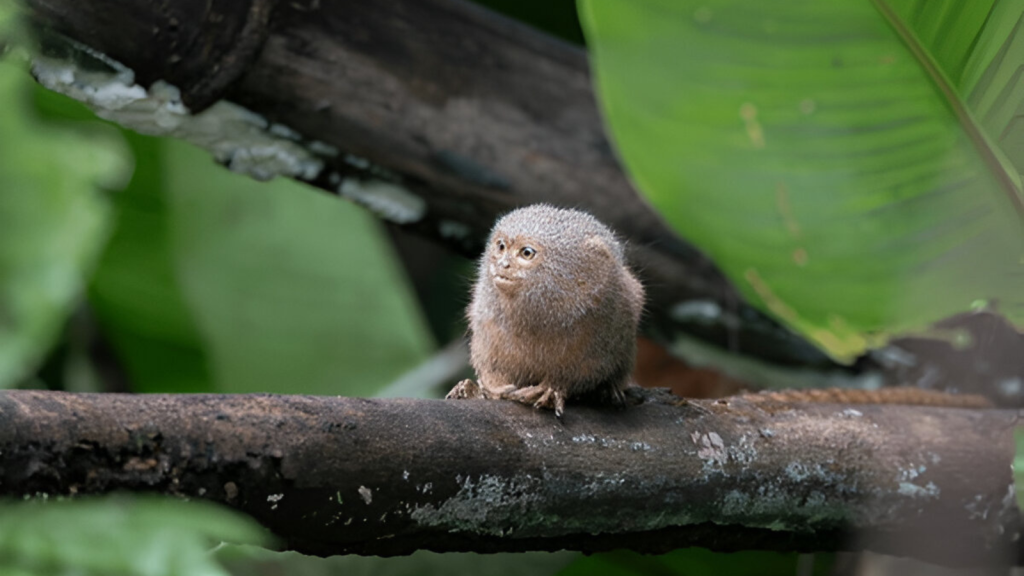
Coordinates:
<point>600,247</point>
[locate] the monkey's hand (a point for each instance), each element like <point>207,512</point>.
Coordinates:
<point>465,389</point>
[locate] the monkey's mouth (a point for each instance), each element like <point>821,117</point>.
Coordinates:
<point>503,281</point>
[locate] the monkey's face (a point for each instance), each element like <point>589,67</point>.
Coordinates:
<point>511,261</point>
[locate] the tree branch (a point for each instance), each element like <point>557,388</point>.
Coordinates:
<point>348,475</point>
<point>470,113</point>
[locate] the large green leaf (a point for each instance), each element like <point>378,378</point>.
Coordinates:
<point>216,282</point>
<point>53,219</point>
<point>851,165</point>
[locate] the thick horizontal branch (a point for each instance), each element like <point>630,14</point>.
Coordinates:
<point>464,114</point>
<point>347,475</point>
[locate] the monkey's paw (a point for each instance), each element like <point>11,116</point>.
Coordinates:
<point>541,396</point>
<point>464,389</point>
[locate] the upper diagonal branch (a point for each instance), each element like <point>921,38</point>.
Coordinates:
<point>347,475</point>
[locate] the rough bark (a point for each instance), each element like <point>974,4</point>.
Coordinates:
<point>347,475</point>
<point>471,112</point>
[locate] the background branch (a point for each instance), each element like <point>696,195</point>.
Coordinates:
<point>347,475</point>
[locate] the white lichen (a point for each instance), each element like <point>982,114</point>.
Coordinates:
<point>603,486</point>
<point>454,230</point>
<point>322,149</point>
<point>356,161</point>
<point>744,451</point>
<point>612,443</point>
<point>240,139</point>
<point>385,199</point>
<point>366,494</point>
<point>797,471</point>
<point>711,448</point>
<point>772,507</point>
<point>977,508</point>
<point>699,311</point>
<point>929,490</point>
<point>1010,386</point>
<point>907,474</point>
<point>819,472</point>
<point>481,506</point>
<point>282,131</point>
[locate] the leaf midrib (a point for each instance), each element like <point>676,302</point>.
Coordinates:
<point>956,104</point>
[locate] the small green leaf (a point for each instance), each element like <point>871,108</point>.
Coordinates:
<point>139,536</point>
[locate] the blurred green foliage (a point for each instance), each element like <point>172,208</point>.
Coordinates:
<point>119,536</point>
<point>247,560</point>
<point>851,165</point>
<point>53,221</point>
<point>699,562</point>
<point>216,282</point>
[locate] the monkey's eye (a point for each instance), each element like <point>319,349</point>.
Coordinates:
<point>528,253</point>
<point>501,245</point>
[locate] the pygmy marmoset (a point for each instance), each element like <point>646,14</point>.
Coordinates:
<point>554,312</point>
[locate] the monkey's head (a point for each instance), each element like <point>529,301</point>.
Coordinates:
<point>551,254</point>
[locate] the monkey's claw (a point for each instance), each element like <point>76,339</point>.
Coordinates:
<point>540,396</point>
<point>617,397</point>
<point>545,399</point>
<point>553,400</point>
<point>464,389</point>
<point>559,405</point>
